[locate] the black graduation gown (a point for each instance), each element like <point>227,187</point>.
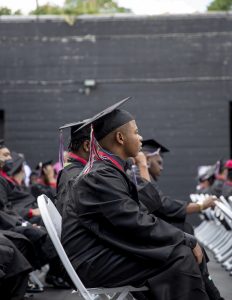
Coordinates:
<point>217,186</point>
<point>40,188</point>
<point>11,220</point>
<point>112,240</point>
<point>14,270</point>
<point>71,170</point>
<point>172,211</point>
<point>12,262</point>
<point>21,200</point>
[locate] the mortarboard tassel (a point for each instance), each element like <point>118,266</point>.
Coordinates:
<point>61,149</point>
<point>94,154</point>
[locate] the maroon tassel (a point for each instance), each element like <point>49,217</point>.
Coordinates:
<point>94,154</point>
<point>61,149</point>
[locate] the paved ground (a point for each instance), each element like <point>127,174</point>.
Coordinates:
<point>219,275</point>
<point>221,278</point>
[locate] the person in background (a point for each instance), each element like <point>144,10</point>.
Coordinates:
<point>227,187</point>
<point>33,178</point>
<point>57,166</point>
<point>46,183</point>
<point>42,251</point>
<point>77,158</point>
<point>206,178</point>
<point>149,165</point>
<point>220,178</point>
<point>172,210</point>
<point>14,270</point>
<point>21,200</point>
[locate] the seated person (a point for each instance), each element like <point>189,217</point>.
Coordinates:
<point>77,158</point>
<point>206,178</point>
<point>46,183</point>
<point>21,200</point>
<point>227,186</point>
<point>150,166</point>
<point>220,178</point>
<point>108,234</point>
<point>14,271</point>
<point>10,220</point>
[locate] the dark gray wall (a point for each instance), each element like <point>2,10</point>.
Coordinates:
<point>178,70</point>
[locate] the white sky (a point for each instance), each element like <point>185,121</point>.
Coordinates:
<point>148,7</point>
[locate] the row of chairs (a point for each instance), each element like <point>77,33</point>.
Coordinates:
<point>53,223</point>
<point>215,232</point>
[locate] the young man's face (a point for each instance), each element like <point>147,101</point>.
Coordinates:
<point>133,141</point>
<point>5,154</point>
<point>155,164</point>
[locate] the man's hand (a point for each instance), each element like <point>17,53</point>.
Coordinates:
<point>49,173</point>
<point>197,252</point>
<point>209,202</point>
<point>141,160</point>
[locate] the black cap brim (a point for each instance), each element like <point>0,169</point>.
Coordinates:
<point>69,125</point>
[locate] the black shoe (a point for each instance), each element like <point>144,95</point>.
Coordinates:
<point>57,282</point>
<point>33,288</point>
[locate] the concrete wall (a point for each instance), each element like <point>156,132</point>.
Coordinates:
<point>177,68</point>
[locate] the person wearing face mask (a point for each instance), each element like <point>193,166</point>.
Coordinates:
<point>21,200</point>
<point>42,251</point>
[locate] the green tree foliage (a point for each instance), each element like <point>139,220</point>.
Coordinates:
<point>5,11</point>
<point>220,5</point>
<point>47,9</point>
<point>79,7</point>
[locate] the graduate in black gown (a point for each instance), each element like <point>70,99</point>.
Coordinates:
<point>220,178</point>
<point>46,182</point>
<point>227,186</point>
<point>20,199</point>
<point>108,234</point>
<point>206,179</point>
<point>34,236</point>
<point>149,166</point>
<point>14,270</point>
<point>77,158</point>
<point>171,210</point>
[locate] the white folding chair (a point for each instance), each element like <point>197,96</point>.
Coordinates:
<point>53,223</point>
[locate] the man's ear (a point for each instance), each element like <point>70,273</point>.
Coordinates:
<point>86,146</point>
<point>119,137</point>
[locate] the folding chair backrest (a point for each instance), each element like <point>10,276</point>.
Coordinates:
<point>53,223</point>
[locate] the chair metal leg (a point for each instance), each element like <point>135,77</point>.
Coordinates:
<point>33,277</point>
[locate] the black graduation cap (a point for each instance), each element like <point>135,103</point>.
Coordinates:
<point>108,120</point>
<point>18,161</point>
<point>41,164</point>
<point>152,146</point>
<point>2,143</point>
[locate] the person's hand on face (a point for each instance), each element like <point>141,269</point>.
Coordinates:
<point>140,159</point>
<point>49,172</point>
